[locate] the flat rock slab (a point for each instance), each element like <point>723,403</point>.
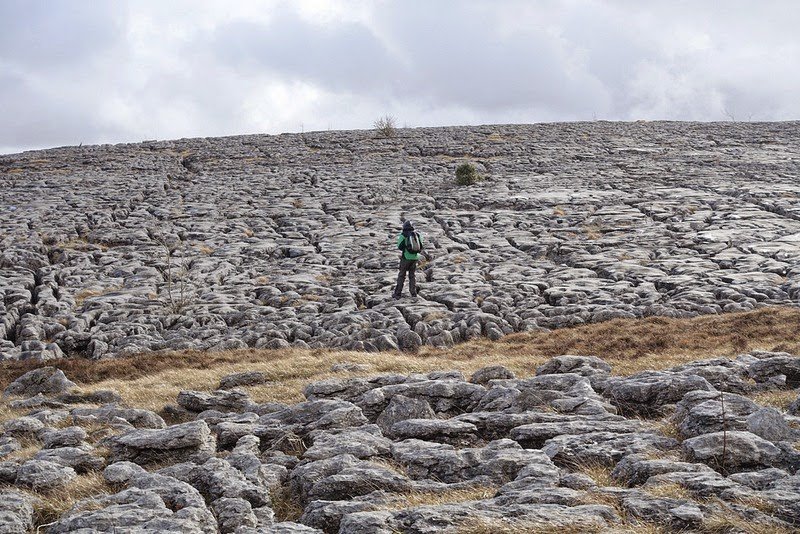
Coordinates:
<point>187,441</point>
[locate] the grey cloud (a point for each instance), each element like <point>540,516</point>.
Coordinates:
<point>57,33</point>
<point>42,119</point>
<point>348,56</point>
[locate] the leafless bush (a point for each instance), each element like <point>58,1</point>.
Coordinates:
<point>179,293</point>
<point>386,126</point>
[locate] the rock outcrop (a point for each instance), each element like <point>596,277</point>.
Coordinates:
<point>277,241</point>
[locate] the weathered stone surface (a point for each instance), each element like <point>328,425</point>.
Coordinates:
<point>8,445</point>
<point>759,480</point>
<point>308,416</point>
<point>46,380</point>
<point>173,444</point>
<point>582,365</point>
<point>770,366</point>
<point>743,451</point>
<point>679,514</point>
<point>81,459</point>
<point>248,378</point>
<point>450,431</point>
<point>16,512</point>
<point>494,372</point>
<point>499,462</point>
<point>139,510</point>
<point>232,513</point>
<point>72,436</point>
<point>402,408</point>
<point>111,413</point>
<point>41,475</point>
<point>23,427</point>
<point>769,423</point>
<point>534,435</point>
<point>362,442</point>
<point>327,515</point>
<point>605,448</point>
<point>648,392</point>
<point>701,412</point>
<point>360,479</point>
<point>636,469</point>
<point>220,400</point>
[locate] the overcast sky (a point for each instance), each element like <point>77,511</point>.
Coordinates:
<point>75,71</point>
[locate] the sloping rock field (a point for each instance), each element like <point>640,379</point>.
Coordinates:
<point>270,241</point>
<point>572,448</point>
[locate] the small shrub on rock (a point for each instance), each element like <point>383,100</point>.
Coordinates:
<point>386,126</point>
<point>467,174</point>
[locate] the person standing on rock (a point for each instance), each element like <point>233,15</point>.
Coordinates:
<point>410,242</point>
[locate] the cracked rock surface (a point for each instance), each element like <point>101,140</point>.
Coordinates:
<point>272,241</point>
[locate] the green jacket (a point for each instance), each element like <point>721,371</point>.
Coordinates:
<point>406,254</point>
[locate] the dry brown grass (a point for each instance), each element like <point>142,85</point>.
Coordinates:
<point>205,249</point>
<point>668,428</point>
<point>601,474</point>
<point>728,522</point>
<point>286,506</point>
<point>760,504</point>
<point>632,345</point>
<point>439,498</point>
<point>592,231</point>
<point>49,506</point>
<point>629,345</point>
<point>7,413</point>
<point>504,526</point>
<point>780,399</point>
<point>433,316</point>
<point>29,447</point>
<point>669,490</point>
<point>80,243</point>
<point>84,294</point>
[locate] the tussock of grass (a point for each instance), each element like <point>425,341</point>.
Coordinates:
<point>440,498</point>
<point>29,446</point>
<point>600,473</point>
<point>730,523</point>
<point>6,412</point>
<point>669,490</point>
<point>286,506</point>
<point>668,428</point>
<point>50,506</point>
<point>760,504</point>
<point>780,399</point>
<point>503,526</point>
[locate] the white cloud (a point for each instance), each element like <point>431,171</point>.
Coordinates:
<point>76,71</point>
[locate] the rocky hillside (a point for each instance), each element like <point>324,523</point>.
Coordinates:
<point>271,241</point>
<point>572,447</point>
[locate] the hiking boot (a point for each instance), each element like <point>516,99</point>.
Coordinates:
<point>396,297</point>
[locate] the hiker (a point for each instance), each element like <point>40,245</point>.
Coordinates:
<point>410,242</point>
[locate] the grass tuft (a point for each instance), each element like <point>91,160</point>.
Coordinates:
<point>81,492</point>
<point>669,490</point>
<point>780,399</point>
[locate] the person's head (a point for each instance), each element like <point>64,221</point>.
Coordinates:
<point>408,226</point>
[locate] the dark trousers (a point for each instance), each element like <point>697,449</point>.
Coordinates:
<point>410,267</point>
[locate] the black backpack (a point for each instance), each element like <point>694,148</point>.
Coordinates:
<point>413,243</point>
